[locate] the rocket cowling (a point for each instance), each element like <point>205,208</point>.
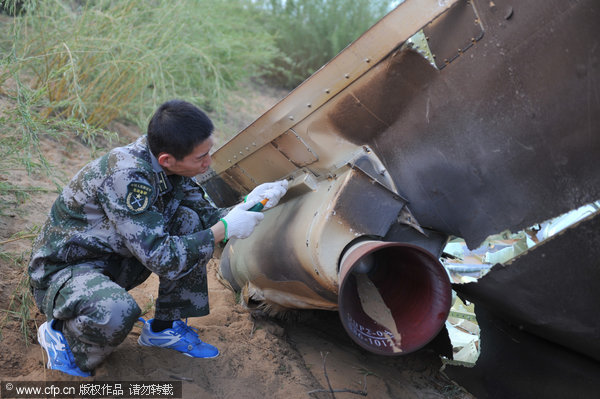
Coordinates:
<point>325,249</point>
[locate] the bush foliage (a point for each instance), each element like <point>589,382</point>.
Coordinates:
<point>309,33</point>
<point>98,60</point>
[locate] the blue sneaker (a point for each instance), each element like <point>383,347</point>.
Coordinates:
<point>59,354</point>
<point>180,337</point>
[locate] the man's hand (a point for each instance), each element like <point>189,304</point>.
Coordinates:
<point>271,191</point>
<point>240,222</point>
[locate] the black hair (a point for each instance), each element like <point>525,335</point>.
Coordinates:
<point>177,127</point>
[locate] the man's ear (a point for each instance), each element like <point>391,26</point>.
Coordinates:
<point>165,160</point>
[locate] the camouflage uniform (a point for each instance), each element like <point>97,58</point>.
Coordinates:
<point>118,220</point>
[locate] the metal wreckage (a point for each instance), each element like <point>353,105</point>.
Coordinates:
<point>448,118</point>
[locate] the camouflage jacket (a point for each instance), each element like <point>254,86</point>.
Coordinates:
<point>119,206</point>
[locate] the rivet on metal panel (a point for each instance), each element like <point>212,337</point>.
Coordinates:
<point>247,148</point>
<point>235,157</point>
<point>309,105</point>
<point>229,160</point>
<point>291,117</point>
<point>347,76</point>
<point>367,60</point>
<point>241,153</point>
<point>327,91</point>
<point>254,144</point>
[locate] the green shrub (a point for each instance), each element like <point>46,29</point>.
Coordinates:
<point>99,60</point>
<point>309,33</point>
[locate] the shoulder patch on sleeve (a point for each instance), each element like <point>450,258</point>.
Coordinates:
<point>138,197</point>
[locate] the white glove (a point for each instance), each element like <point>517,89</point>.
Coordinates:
<point>272,191</point>
<point>240,222</point>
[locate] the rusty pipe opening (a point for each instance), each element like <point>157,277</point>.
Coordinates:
<point>393,298</point>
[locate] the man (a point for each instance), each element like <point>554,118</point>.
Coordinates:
<point>135,211</point>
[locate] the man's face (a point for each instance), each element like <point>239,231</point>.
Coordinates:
<point>195,163</point>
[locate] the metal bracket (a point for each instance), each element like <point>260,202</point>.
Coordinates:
<point>453,33</point>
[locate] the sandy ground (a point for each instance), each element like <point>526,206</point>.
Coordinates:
<point>261,357</point>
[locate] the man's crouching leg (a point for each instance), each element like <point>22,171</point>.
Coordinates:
<point>179,299</point>
<point>97,313</point>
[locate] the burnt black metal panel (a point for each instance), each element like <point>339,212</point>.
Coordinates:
<point>508,134</point>
<point>518,365</point>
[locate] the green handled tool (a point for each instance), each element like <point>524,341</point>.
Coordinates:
<point>259,206</point>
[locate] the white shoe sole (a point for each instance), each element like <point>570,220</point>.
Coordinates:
<point>142,343</point>
<point>41,335</point>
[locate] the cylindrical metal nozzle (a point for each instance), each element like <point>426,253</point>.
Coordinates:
<point>393,298</point>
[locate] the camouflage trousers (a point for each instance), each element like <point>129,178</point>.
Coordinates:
<point>98,312</point>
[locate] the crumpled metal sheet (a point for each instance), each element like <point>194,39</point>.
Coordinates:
<point>553,289</point>
<point>539,320</point>
<point>518,365</point>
